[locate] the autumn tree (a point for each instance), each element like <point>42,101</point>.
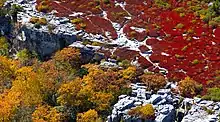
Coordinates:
<point>68,93</point>
<point>63,67</point>
<point>97,90</point>
<point>101,101</point>
<point>189,87</point>
<point>46,113</point>
<point>7,72</point>
<point>68,58</point>
<point>88,116</point>
<point>153,81</point>
<point>28,85</point>
<point>9,102</point>
<point>50,79</point>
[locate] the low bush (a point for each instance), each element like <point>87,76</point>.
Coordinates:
<point>76,21</point>
<point>144,112</point>
<point>43,7</point>
<point>42,21</point>
<point>212,94</point>
<point>38,21</point>
<point>153,81</point>
<point>189,87</point>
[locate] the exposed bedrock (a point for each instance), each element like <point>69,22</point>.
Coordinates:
<point>44,43</point>
<point>5,25</point>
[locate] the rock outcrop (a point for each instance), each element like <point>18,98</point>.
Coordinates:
<point>5,25</point>
<point>162,102</point>
<point>168,107</point>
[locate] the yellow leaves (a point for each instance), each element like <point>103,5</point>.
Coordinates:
<point>101,100</point>
<point>129,73</point>
<point>144,112</point>
<point>46,113</point>
<point>7,72</point>
<point>9,101</point>
<point>28,85</point>
<point>68,56</point>
<point>7,67</point>
<point>89,116</point>
<point>69,93</point>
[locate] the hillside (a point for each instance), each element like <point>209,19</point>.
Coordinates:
<point>109,60</point>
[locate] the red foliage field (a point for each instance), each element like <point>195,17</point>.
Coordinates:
<point>187,45</point>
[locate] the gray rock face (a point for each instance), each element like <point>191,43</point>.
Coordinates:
<point>164,112</point>
<point>42,40</point>
<point>46,43</point>
<point>5,25</point>
<point>166,107</point>
<point>202,111</point>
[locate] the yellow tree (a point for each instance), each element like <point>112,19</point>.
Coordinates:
<point>89,116</point>
<point>68,93</point>
<point>27,83</point>
<point>129,73</point>
<point>7,72</point>
<point>68,58</point>
<point>9,102</point>
<point>46,113</point>
<point>101,101</point>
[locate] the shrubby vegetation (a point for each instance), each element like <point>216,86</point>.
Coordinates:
<point>212,94</point>
<point>144,112</point>
<point>64,89</point>
<point>189,87</point>
<point>211,14</point>
<point>44,6</point>
<point>89,116</point>
<point>153,81</point>
<point>38,22</point>
<point>162,4</point>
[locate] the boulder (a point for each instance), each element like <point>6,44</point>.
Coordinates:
<point>166,113</point>
<point>163,91</point>
<point>155,98</point>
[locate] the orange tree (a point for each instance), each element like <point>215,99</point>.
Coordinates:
<point>189,87</point>
<point>97,90</point>
<point>68,57</point>
<point>153,81</point>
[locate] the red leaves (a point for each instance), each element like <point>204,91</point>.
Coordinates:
<point>217,33</point>
<point>143,48</point>
<point>184,37</point>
